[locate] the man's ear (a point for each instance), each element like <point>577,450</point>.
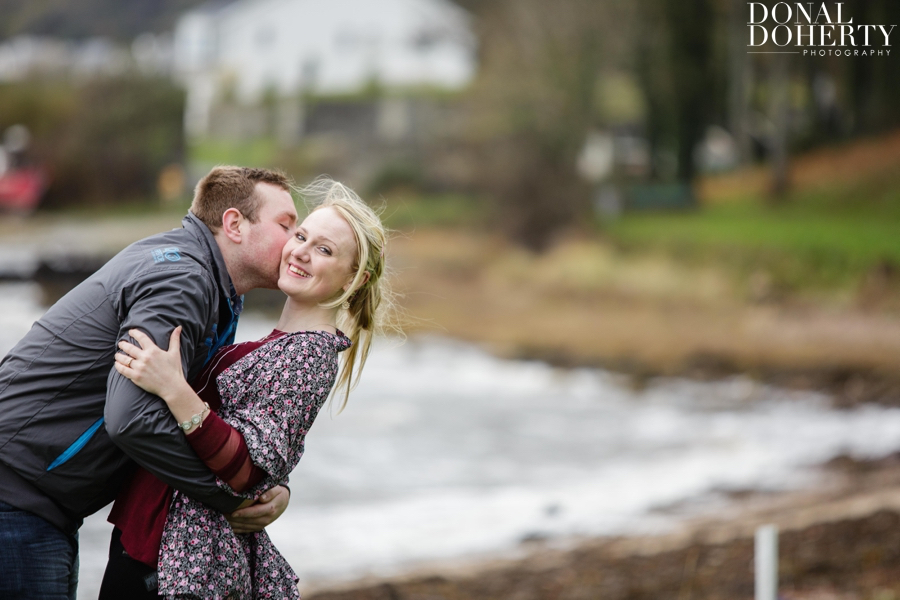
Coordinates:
<point>232,219</point>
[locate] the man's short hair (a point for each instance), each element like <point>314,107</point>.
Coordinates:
<point>232,187</point>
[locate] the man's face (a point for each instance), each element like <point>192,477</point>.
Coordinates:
<point>277,219</point>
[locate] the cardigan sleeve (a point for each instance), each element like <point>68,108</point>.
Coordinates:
<point>224,451</point>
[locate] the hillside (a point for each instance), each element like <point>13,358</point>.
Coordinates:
<point>120,20</point>
<point>116,19</point>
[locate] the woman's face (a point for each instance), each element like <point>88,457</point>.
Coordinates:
<point>317,262</point>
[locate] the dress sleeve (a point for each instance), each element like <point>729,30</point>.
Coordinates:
<point>224,451</point>
<point>275,401</point>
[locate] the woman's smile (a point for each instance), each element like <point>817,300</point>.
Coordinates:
<point>298,271</point>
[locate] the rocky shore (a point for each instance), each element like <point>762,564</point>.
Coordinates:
<point>838,543</point>
<point>851,559</point>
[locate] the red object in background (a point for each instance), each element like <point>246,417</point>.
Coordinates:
<point>21,190</point>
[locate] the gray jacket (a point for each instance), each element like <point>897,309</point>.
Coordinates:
<point>70,425</point>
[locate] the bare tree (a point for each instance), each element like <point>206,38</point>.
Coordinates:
<point>740,78</point>
<point>535,103</point>
<point>780,114</point>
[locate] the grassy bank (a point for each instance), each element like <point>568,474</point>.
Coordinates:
<point>835,228</point>
<point>799,247</point>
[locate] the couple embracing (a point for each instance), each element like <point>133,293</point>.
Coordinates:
<point>130,388</point>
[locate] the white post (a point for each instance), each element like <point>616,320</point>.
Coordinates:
<point>766,562</point>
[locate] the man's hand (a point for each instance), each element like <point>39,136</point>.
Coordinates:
<point>262,514</point>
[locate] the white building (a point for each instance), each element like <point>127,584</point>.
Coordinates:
<point>24,56</point>
<point>252,47</point>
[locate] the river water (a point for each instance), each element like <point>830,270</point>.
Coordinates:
<point>445,451</point>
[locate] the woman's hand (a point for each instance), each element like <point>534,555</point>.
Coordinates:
<point>150,368</point>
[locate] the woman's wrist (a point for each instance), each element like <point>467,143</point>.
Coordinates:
<point>195,422</point>
<point>180,393</point>
<point>187,407</point>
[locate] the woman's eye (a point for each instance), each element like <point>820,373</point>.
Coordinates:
<point>325,250</point>
<point>300,237</point>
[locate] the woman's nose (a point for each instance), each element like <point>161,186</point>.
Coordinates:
<point>300,252</point>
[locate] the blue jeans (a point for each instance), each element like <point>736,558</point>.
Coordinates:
<point>39,562</point>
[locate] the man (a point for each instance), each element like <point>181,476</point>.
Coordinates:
<point>70,425</point>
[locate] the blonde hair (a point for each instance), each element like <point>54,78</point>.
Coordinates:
<point>371,303</point>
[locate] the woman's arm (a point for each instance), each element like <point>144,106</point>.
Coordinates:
<point>220,446</point>
<point>159,372</point>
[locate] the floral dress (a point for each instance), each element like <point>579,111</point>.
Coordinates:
<point>271,396</point>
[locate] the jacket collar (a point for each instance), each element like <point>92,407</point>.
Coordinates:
<point>197,227</point>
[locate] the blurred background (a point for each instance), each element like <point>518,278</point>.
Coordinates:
<point>650,272</point>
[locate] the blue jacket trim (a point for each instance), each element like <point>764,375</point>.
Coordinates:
<point>217,341</point>
<point>77,445</point>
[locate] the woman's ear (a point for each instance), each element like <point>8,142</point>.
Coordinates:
<point>232,219</point>
<point>365,280</point>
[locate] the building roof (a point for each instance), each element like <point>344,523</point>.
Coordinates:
<point>333,46</point>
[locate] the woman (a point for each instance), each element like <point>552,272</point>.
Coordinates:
<point>267,393</point>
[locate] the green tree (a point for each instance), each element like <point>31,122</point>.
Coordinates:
<point>102,141</point>
<point>676,63</point>
<point>872,86</point>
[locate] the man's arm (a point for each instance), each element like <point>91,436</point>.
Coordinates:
<point>139,423</point>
